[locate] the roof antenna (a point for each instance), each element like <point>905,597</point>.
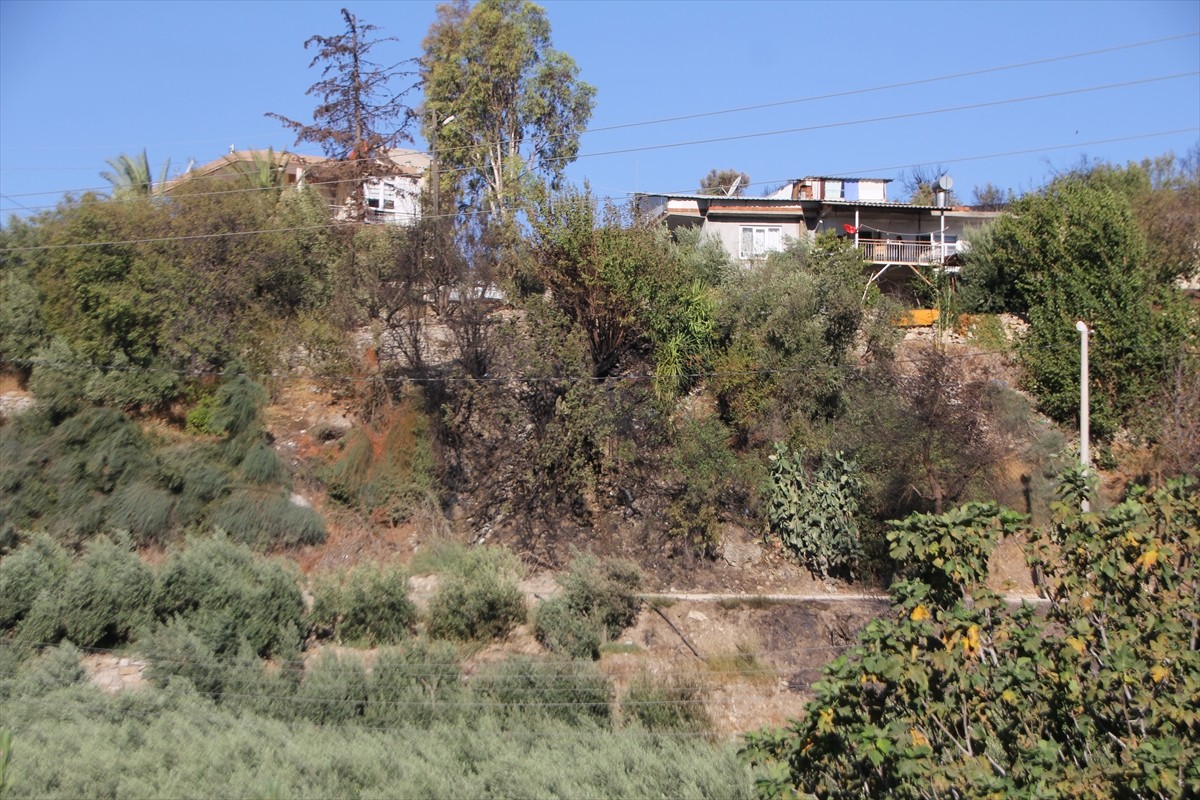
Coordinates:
<point>733,186</point>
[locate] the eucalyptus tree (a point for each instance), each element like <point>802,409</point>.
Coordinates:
<point>501,105</point>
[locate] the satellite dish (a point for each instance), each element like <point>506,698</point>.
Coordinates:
<point>944,183</point>
<point>733,187</point>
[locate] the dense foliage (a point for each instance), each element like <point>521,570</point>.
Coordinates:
<point>598,601</point>
<point>1075,251</point>
<point>75,471</point>
<point>957,693</point>
<point>407,727</point>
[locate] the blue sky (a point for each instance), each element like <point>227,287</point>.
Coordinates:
<point>81,82</point>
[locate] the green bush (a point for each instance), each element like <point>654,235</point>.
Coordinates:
<point>478,598</point>
<point>229,596</point>
<point>814,513</point>
<point>174,651</point>
<point>477,608</point>
<point>106,595</point>
<point>38,566</point>
<point>599,600</point>
<point>367,604</point>
<point>55,668</point>
<point>521,687</point>
<point>704,470</point>
<point>418,683</point>
<point>334,690</point>
<point>666,704</point>
<point>562,630</point>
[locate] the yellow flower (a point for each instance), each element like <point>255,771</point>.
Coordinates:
<point>971,641</point>
<point>918,739</point>
<point>920,613</point>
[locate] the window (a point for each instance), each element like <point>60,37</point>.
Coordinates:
<point>756,242</point>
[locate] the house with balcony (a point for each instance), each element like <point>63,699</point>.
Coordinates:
<point>895,238</point>
<point>390,193</point>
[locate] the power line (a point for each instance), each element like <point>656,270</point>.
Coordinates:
<point>810,128</point>
<point>894,117</point>
<point>610,198</point>
<point>779,103</point>
<point>898,85</point>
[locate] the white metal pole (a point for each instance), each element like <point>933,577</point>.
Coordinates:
<point>1084,421</point>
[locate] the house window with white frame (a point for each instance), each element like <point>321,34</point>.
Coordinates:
<point>757,241</point>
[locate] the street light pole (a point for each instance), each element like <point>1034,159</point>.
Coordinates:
<point>1084,421</point>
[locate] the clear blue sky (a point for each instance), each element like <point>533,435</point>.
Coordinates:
<point>81,82</point>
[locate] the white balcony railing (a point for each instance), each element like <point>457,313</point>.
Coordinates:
<point>896,251</point>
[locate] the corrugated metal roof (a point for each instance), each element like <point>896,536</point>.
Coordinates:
<point>837,178</point>
<point>781,201</point>
<point>873,204</point>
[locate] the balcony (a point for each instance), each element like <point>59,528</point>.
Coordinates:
<point>896,251</point>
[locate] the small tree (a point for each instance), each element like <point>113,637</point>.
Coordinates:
<point>724,182</point>
<point>361,115</point>
<point>957,694</point>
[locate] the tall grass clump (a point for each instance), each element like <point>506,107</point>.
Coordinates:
<point>143,510</point>
<point>231,597</point>
<point>478,598</point>
<point>599,600</point>
<point>367,604</point>
<point>388,469</point>
<point>674,703</point>
<point>265,519</point>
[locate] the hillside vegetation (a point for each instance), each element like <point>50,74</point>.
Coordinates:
<point>634,392</point>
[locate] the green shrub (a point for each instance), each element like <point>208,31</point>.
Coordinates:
<point>478,598</point>
<point>334,690</point>
<point>56,668</point>
<point>367,604</point>
<point>229,596</point>
<point>562,630</point>
<point>666,704</point>
<point>814,513</point>
<point>174,651</point>
<point>199,419</point>
<point>478,607</point>
<point>106,595</point>
<point>704,469</point>
<point>418,683</point>
<point>38,566</point>
<point>523,687</point>
<point>599,600</point>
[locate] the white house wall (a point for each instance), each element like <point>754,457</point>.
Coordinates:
<point>729,231</point>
